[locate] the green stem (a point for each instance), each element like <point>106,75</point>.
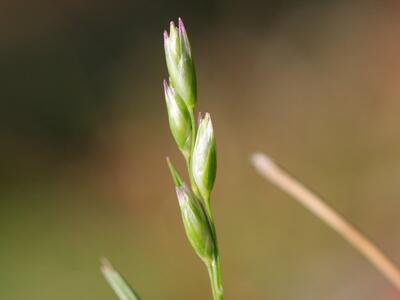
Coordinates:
<point>214,267</point>
<point>207,206</point>
<point>193,121</point>
<point>189,159</point>
<point>214,271</point>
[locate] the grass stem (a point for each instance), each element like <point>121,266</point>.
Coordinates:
<point>214,271</point>
<point>271,171</point>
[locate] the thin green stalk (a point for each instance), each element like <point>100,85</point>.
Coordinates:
<point>207,206</point>
<point>214,267</point>
<point>189,159</point>
<point>214,271</point>
<point>193,121</point>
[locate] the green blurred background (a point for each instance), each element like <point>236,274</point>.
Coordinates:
<point>84,136</point>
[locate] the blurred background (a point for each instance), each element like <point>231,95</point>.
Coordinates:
<point>84,136</point>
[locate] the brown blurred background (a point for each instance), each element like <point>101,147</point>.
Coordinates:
<point>84,135</point>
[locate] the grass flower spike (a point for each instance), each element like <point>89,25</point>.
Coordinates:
<point>198,149</point>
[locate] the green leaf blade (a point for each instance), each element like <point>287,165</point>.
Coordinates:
<point>117,282</point>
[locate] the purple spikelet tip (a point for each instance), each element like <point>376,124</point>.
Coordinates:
<point>181,25</point>
<point>182,29</point>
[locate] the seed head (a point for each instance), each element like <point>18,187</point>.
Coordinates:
<point>180,63</point>
<point>179,119</point>
<point>204,159</point>
<point>196,223</point>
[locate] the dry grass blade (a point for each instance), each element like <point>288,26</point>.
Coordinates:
<point>271,171</point>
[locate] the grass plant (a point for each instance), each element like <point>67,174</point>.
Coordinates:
<point>196,142</point>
